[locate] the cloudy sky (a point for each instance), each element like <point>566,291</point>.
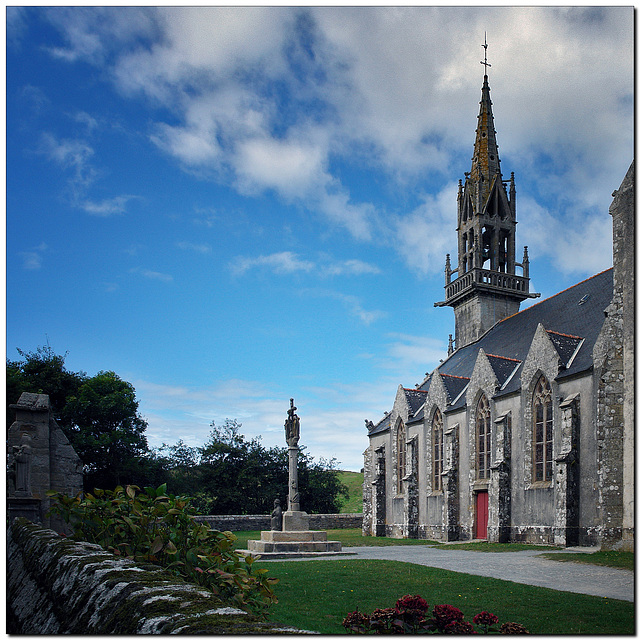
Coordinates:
<point>230,207</point>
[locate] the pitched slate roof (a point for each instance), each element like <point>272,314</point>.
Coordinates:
<point>383,425</point>
<point>415,399</point>
<point>454,385</point>
<point>569,312</point>
<point>573,319</point>
<point>565,345</point>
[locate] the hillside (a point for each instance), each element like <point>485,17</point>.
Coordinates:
<point>353,480</point>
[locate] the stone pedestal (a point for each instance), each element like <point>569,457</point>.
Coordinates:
<point>21,507</point>
<point>294,542</point>
<point>295,521</point>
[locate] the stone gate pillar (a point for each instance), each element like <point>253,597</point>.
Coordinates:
<point>41,459</point>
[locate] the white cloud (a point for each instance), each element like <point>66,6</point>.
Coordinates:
<point>153,275</point>
<point>406,353</point>
<point>578,243</point>
<point>284,262</point>
<point>107,207</point>
<point>349,267</point>
<point>328,415</point>
<point>276,97</point>
<point>289,167</point>
<point>427,234</point>
<point>70,154</point>
<point>32,260</point>
<point>198,248</point>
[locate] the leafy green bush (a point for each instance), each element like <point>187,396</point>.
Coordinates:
<point>151,526</point>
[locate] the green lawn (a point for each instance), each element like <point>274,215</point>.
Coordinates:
<point>617,559</point>
<point>353,481</point>
<point>316,595</point>
<point>354,538</point>
<point>348,537</point>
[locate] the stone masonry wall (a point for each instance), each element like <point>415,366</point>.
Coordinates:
<point>56,586</point>
<point>317,521</point>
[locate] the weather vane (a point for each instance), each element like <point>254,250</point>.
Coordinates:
<point>485,63</point>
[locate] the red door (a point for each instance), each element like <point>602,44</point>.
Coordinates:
<point>482,514</point>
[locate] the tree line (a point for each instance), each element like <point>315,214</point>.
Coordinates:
<point>229,473</point>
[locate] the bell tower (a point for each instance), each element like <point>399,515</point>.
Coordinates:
<point>486,288</point>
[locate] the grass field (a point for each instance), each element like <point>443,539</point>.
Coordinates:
<point>316,595</point>
<point>353,481</point>
<point>354,538</point>
<point>617,559</point>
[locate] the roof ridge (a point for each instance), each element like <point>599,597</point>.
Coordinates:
<point>448,375</point>
<point>493,355</point>
<point>420,390</point>
<point>565,335</point>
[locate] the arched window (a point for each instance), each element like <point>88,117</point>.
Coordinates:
<point>483,438</point>
<point>438,450</point>
<point>401,441</point>
<point>542,431</point>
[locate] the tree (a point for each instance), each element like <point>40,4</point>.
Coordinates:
<point>98,414</point>
<point>41,371</point>
<point>106,430</point>
<point>230,474</point>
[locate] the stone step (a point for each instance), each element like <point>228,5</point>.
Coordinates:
<point>260,546</point>
<point>293,536</point>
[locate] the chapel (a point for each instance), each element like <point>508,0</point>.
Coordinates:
<point>524,433</point>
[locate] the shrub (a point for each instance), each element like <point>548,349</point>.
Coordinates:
<point>410,616</point>
<point>151,526</point>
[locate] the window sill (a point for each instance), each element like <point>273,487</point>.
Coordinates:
<point>481,485</point>
<point>540,485</point>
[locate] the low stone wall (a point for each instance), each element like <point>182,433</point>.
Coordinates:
<point>319,521</point>
<point>56,585</point>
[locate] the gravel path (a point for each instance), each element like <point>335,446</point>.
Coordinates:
<point>526,567</point>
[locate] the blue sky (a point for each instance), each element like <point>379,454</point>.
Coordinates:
<point>232,207</point>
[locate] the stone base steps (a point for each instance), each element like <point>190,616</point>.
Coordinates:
<point>293,542</point>
<point>288,555</point>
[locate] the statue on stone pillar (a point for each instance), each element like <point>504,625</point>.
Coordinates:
<point>22,466</point>
<point>276,516</point>
<point>292,426</point>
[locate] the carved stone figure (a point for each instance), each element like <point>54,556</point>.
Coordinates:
<point>22,463</point>
<point>292,426</point>
<point>276,516</point>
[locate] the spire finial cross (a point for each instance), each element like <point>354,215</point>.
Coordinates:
<point>485,63</point>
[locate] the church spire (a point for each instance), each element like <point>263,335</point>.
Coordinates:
<point>486,287</point>
<point>485,165</point>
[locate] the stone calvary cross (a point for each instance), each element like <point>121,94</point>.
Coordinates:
<point>292,434</point>
<point>296,538</point>
<point>293,519</point>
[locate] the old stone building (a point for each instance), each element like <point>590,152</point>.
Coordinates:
<point>525,432</point>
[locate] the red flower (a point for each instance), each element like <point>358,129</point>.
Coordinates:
<point>460,627</point>
<point>356,622</point>
<point>485,619</point>
<point>412,603</point>
<point>512,628</point>
<point>444,614</point>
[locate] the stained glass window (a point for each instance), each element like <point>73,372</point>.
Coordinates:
<point>542,431</point>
